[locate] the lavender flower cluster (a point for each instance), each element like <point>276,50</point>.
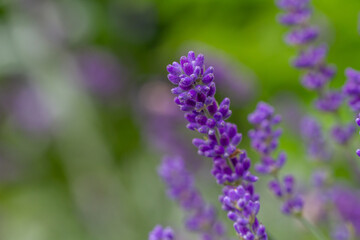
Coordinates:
<point>311,57</point>
<point>194,92</point>
<point>314,138</point>
<point>265,139</point>
<point>160,233</point>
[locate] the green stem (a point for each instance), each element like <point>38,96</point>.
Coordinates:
<point>314,230</point>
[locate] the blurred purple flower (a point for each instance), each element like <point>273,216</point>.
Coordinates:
<point>311,57</point>
<point>347,203</point>
<point>330,101</point>
<point>163,122</point>
<point>314,139</point>
<point>201,217</point>
<point>25,105</point>
<point>341,232</point>
<point>342,134</point>
<point>160,233</point>
<point>265,139</point>
<point>29,111</point>
<point>102,73</point>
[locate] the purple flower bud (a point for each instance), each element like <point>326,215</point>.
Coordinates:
<point>160,233</point>
<point>301,36</point>
<point>342,134</point>
<point>330,102</point>
<point>275,187</point>
<point>292,4</point>
<point>311,57</point>
<point>294,17</point>
<point>208,78</point>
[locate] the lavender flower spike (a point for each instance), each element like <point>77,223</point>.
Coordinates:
<point>312,133</point>
<point>160,233</point>
<point>264,139</point>
<point>201,216</point>
<point>311,57</point>
<point>195,92</point>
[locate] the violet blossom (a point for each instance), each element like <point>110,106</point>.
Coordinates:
<point>346,201</point>
<point>342,134</point>
<point>161,233</point>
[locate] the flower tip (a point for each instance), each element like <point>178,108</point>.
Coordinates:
<point>358,152</point>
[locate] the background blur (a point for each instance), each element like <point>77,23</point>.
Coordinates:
<point>86,114</point>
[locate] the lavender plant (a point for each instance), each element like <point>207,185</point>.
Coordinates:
<point>195,95</point>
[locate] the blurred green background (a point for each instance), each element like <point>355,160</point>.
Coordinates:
<point>86,114</point>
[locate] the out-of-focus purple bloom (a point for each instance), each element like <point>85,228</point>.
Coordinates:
<point>347,203</point>
<point>352,88</point>
<point>295,17</point>
<point>29,110</point>
<point>201,217</point>
<point>25,106</point>
<point>264,139</point>
<point>341,232</point>
<point>301,36</point>
<point>330,102</point>
<point>163,122</point>
<point>195,92</point>
<point>293,203</point>
<point>319,178</point>
<point>102,73</point>
<point>314,139</point>
<point>292,5</point>
<point>310,57</point>
<point>316,80</point>
<point>342,134</point>
<point>160,233</point>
